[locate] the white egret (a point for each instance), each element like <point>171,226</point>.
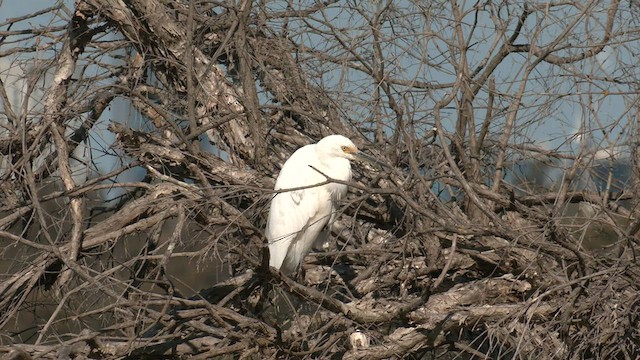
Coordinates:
<point>298,217</point>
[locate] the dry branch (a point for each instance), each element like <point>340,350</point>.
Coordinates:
<point>200,103</point>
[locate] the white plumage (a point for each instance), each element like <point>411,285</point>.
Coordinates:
<point>298,217</point>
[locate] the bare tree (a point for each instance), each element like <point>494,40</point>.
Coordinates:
<point>506,225</point>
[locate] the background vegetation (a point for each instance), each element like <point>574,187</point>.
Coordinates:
<point>140,140</point>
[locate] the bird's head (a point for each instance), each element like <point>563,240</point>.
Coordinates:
<point>338,146</point>
<point>342,147</point>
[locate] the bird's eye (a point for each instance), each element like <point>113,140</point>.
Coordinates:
<point>344,148</point>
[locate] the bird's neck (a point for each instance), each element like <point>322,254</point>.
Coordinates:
<point>337,168</point>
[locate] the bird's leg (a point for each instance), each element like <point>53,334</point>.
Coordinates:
<point>300,273</point>
<point>321,243</point>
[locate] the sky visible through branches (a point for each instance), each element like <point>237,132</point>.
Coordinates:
<point>565,113</point>
<point>508,131</point>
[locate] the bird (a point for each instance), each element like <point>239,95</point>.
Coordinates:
<point>305,199</point>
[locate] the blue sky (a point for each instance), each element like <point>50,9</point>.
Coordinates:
<point>558,112</point>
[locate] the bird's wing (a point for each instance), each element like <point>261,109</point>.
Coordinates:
<point>294,217</point>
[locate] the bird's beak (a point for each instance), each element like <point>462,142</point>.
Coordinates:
<point>364,157</point>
